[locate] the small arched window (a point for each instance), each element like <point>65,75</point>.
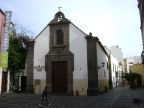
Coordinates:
<point>59,37</point>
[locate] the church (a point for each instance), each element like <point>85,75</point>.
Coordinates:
<point>66,60</point>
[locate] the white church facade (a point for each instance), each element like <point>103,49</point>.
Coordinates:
<point>66,60</point>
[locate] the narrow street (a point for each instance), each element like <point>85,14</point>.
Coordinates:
<point>116,98</point>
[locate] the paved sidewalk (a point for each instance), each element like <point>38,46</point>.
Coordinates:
<point>116,98</point>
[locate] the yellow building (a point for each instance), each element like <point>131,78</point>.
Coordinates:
<point>138,68</point>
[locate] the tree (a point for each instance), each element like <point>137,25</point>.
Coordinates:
<point>17,52</point>
<point>134,79</point>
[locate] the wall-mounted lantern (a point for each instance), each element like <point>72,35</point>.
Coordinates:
<point>103,64</point>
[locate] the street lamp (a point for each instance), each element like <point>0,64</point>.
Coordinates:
<point>103,64</point>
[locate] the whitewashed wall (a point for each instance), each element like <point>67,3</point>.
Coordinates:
<point>103,72</point>
<point>114,68</point>
<point>78,46</point>
<point>41,48</point>
<point>8,82</point>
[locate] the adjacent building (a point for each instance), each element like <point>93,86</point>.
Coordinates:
<point>138,68</point>
<point>114,71</point>
<point>134,60</point>
<point>5,30</point>
<point>126,65</point>
<point>116,66</point>
<point>135,66</point>
<point>141,11</point>
<point>116,51</point>
<point>2,22</point>
<point>8,25</point>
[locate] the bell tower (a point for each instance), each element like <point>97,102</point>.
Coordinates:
<point>59,61</point>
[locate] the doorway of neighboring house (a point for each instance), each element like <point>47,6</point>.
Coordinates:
<point>59,77</point>
<point>4,81</point>
<point>23,83</point>
<point>16,82</point>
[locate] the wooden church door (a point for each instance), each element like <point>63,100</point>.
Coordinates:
<point>59,77</point>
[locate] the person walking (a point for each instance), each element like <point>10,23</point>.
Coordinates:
<point>44,101</point>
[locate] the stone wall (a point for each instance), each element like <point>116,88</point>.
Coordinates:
<point>92,66</point>
<point>29,66</point>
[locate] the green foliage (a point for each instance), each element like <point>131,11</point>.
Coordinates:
<point>17,52</point>
<point>134,79</point>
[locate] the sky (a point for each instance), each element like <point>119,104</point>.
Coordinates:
<point>114,22</point>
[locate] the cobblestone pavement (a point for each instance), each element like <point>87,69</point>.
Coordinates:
<point>116,98</point>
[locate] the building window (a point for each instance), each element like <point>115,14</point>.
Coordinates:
<point>113,68</point>
<point>59,37</point>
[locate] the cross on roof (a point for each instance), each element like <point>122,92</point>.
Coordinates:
<point>59,8</point>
